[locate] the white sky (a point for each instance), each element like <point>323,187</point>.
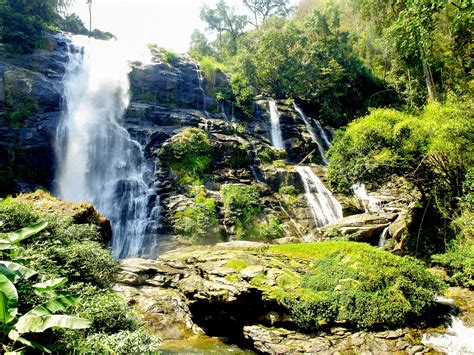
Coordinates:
<point>168,23</point>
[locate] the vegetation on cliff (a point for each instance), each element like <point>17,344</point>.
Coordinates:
<point>70,248</point>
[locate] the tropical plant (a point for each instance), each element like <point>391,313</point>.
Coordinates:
<point>39,318</point>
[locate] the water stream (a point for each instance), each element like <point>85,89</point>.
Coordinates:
<point>315,135</point>
<point>98,162</point>
<point>277,139</point>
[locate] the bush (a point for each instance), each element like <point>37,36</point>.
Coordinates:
<point>15,215</point>
<point>354,283</point>
<point>124,342</point>
<point>198,222</point>
<point>108,312</point>
<point>189,155</point>
<point>460,265</point>
<point>241,203</point>
<point>269,155</point>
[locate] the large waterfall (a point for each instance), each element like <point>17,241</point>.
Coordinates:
<point>277,139</point>
<point>98,162</point>
<point>324,206</point>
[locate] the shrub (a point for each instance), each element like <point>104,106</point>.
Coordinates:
<point>459,263</point>
<point>124,342</point>
<point>189,155</point>
<point>15,215</point>
<point>268,154</point>
<point>288,190</point>
<point>198,222</point>
<point>354,283</point>
<point>108,313</point>
<point>241,203</point>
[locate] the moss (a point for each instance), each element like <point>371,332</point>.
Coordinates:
<point>236,264</point>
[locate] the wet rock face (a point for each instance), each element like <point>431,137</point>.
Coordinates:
<point>177,85</point>
<point>30,109</point>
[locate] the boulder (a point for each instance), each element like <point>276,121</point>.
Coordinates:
<point>362,227</point>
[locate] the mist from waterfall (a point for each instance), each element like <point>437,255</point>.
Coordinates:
<point>98,162</point>
<point>313,133</point>
<point>277,139</point>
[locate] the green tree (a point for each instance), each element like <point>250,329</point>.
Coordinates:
<point>200,45</point>
<point>223,19</point>
<point>262,9</point>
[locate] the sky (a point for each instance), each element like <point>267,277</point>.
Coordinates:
<point>168,23</point>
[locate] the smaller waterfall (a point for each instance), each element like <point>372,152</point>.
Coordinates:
<point>233,112</point>
<point>201,87</point>
<point>370,204</point>
<point>313,133</point>
<point>383,238</point>
<point>277,139</point>
<point>324,207</point>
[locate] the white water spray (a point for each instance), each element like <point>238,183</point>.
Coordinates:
<point>277,139</point>
<point>314,134</point>
<point>324,206</point>
<point>98,162</point>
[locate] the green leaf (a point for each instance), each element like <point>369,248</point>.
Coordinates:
<point>38,324</point>
<point>19,235</point>
<point>50,284</point>
<point>8,300</point>
<point>51,307</point>
<point>33,344</point>
<point>5,245</point>
<point>18,269</point>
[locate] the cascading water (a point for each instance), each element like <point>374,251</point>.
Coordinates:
<point>458,339</point>
<point>98,162</point>
<point>201,87</point>
<point>313,133</point>
<point>383,238</point>
<point>371,204</point>
<point>277,139</point>
<point>324,207</point>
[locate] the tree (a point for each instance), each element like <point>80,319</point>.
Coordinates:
<point>262,9</point>
<point>224,19</point>
<point>199,44</point>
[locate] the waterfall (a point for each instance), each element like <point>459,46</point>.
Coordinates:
<point>383,238</point>
<point>98,162</point>
<point>201,87</point>
<point>370,203</point>
<point>276,136</point>
<point>324,207</point>
<point>313,133</point>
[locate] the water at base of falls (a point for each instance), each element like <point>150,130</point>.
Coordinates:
<point>277,139</point>
<point>98,162</point>
<point>324,206</point>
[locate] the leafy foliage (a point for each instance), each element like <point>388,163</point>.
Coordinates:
<point>354,283</point>
<point>199,221</point>
<point>189,155</point>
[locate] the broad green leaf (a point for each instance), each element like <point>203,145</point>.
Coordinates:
<point>5,245</point>
<point>11,275</point>
<point>8,300</point>
<point>33,344</point>
<point>51,307</point>
<point>16,268</point>
<point>50,284</point>
<point>38,324</point>
<point>26,232</point>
